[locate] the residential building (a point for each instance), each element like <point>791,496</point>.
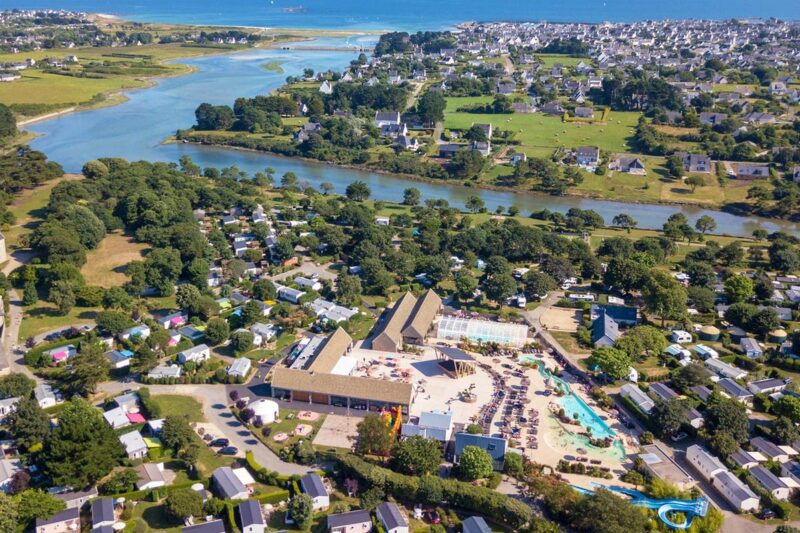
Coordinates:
<point>312,485</point>
<point>117,418</point>
<point>475,524</point>
<point>724,369</point>
<point>736,492</point>
<point>240,368</point>
<point>605,330</point>
<point>151,476</point>
<point>227,484</point>
<point>746,459</point>
<point>629,165</point>
<point>750,347</point>
<point>771,483</point>
<point>165,372</point>
<point>45,396</point>
<point>662,392</point>
<point>135,446</point>
<point>431,425</point>
<point>138,332</point>
<point>289,294</point>
<point>706,464</point>
<point>214,526</point>
<point>735,391</point>
<point>771,450</point>
<point>350,522</point>
<point>8,406</point>
<point>695,163</point>
<point>251,518</point>
<point>75,499</point>
<point>496,446</point>
<point>196,354</point>
<point>8,467</point>
<point>386,118</point>
<point>67,521</point>
<point>766,386</point>
<point>636,395</point>
<point>391,518</point>
<point>102,512</point>
<point>172,320</point>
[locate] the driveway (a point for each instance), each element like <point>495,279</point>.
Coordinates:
<point>215,409</point>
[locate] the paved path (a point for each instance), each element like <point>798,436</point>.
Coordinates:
<point>215,408</point>
<point>10,361</point>
<point>306,269</point>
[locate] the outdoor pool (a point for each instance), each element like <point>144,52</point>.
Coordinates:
<point>526,359</point>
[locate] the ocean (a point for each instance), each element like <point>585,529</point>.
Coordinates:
<point>413,15</point>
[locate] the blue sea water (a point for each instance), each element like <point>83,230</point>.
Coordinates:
<point>413,14</point>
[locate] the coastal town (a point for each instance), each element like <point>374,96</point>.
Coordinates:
<point>204,349</point>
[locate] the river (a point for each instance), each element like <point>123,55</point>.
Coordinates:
<point>135,130</point>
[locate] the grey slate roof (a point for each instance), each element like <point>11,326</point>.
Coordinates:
<point>68,514</point>
<point>250,513</point>
<point>391,516</point>
<point>313,486</point>
<point>767,479</point>
<point>227,483</point>
<point>102,510</point>
<point>215,526</point>
<point>475,524</point>
<point>349,518</point>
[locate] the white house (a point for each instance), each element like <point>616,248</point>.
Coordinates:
<point>771,483</point>
<point>432,425</point>
<point>250,517</point>
<point>724,369</point>
<point>8,467</point>
<point>736,492</point>
<point>641,400</point>
<point>240,367</point>
<point>312,485</point>
<point>680,336</point>
<point>289,294</point>
<point>706,464</point>
<point>165,372</point>
<point>350,522</point>
<point>8,406</point>
<point>308,283</point>
<point>151,476</point>
<point>391,518</point>
<point>705,352</point>
<point>117,418</point>
<point>45,396</point>
<point>135,447</point>
<point>262,333</point>
<point>197,354</point>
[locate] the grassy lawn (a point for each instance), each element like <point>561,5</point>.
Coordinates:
<point>568,341</point>
<point>41,317</point>
<point>151,516</point>
<point>105,264</point>
<point>287,425</point>
<point>29,206</point>
<point>549,60</point>
<point>536,131</point>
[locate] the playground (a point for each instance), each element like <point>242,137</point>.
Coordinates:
<point>666,508</point>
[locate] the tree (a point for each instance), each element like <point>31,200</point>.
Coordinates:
<point>301,509</point>
<point>30,294</point>
<point>675,166</point>
<point>474,204</point>
<point>537,284</point>
<point>466,164</point>
<point>625,221</point>
<point>113,322</point>
<point>176,433</point>
<point>89,368</point>
<point>694,182</point>
<point>787,406</point>
<point>411,196</point>
<point>664,296</point>
<point>242,341</point>
<point>418,456</point>
<point>117,298</point>
<point>603,512</point>
<point>16,384</point>
<point>358,191</point>
<point>162,267</point>
<point>642,339</point>
<point>431,107</point>
<point>688,376</point>
<point>784,430</point>
<point>612,362</point>
<point>217,331</point>
<point>82,449</point>
<point>186,296</point>
<point>669,416</point>
<point>465,284</point>
<point>348,290</point>
<point>62,294</point>
<point>727,415</point>
<point>120,482</point>
<point>764,321</point>
<point>738,289</point>
<point>183,503</point>
<point>28,424</point>
<point>513,465</point>
<point>251,313</point>
<point>722,443</point>
<point>705,223</point>
<point>474,463</point>
<point>374,436</point>
<point>36,503</point>
<point>9,516</point>
<point>8,124</point>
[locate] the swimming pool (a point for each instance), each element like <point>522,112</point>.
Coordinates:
<point>574,404</point>
<point>526,359</point>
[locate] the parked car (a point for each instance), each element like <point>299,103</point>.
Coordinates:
<point>432,517</point>
<point>222,443</point>
<point>229,450</point>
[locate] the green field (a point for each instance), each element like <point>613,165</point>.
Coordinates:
<point>549,60</point>
<point>537,132</point>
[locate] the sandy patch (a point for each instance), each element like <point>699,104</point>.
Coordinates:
<point>561,319</point>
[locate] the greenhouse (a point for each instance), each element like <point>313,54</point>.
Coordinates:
<point>454,328</point>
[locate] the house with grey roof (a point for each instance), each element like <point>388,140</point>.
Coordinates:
<point>771,450</point>
<point>45,396</point>
<point>165,372</point>
<point>495,446</point>
<point>766,386</point>
<point>102,512</point>
<point>312,485</point>
<point>391,518</point>
<point>8,406</point>
<point>750,347</point>
<point>251,519</point>
<point>240,367</point>
<point>662,392</point>
<point>475,524</point>
<point>135,447</point>
<point>214,526</point>
<point>771,483</point>
<point>227,484</point>
<point>196,354</point>
<point>733,390</point>
<point>636,395</point>
<point>432,425</point>
<point>350,522</point>
<point>8,467</point>
<point>736,491</point>
<point>67,520</point>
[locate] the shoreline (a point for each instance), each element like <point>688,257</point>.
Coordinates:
<point>460,184</point>
<point>492,188</point>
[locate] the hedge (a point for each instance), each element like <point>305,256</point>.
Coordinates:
<point>459,494</point>
<point>273,497</point>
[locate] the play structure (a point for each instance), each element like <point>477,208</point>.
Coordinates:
<point>690,508</point>
<point>394,419</point>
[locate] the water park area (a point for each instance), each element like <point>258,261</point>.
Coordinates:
<point>674,513</point>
